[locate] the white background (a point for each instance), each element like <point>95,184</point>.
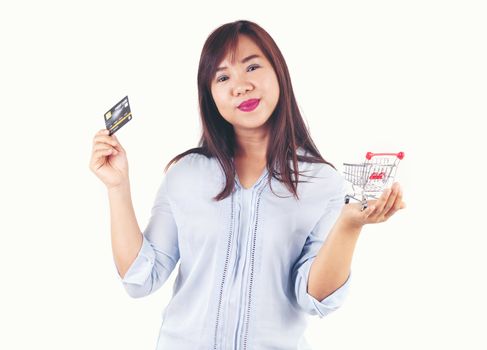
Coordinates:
<point>368,75</point>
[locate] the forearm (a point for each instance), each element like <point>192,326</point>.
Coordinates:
<point>126,236</point>
<point>331,267</point>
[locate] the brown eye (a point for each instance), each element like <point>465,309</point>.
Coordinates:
<point>254,66</point>
<point>218,80</point>
<point>249,69</point>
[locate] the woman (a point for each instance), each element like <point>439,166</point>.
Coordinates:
<point>246,213</point>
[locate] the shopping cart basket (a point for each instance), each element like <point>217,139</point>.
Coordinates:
<point>370,178</point>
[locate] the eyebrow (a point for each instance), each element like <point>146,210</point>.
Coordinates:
<point>246,59</point>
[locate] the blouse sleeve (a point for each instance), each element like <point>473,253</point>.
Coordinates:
<point>312,245</point>
<point>159,252</point>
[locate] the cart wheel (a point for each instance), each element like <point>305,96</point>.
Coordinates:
<point>364,205</point>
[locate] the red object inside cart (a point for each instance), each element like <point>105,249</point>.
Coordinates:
<point>377,176</point>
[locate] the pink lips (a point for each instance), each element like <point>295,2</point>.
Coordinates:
<point>249,105</point>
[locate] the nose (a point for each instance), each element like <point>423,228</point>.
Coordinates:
<point>242,86</point>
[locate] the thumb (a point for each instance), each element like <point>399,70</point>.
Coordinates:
<point>118,142</point>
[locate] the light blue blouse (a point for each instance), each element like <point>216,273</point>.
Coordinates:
<point>243,261</point>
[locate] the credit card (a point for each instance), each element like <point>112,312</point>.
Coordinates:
<point>118,116</point>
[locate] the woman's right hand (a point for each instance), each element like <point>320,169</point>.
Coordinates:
<point>109,160</point>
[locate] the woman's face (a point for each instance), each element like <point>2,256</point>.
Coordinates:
<point>246,92</point>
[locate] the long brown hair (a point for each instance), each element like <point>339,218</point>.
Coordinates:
<point>287,126</point>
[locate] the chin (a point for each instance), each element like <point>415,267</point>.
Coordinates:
<point>252,124</point>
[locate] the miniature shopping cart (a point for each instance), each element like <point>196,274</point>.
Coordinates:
<point>370,178</point>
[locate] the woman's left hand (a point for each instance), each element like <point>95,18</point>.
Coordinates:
<point>377,211</point>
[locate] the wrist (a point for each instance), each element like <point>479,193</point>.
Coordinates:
<point>348,227</point>
<point>122,188</point>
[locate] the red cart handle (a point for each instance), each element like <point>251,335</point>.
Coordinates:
<point>399,155</point>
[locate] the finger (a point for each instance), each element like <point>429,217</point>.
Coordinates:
<point>372,203</point>
<point>369,211</point>
<point>113,136</point>
<point>107,139</point>
<point>102,137</point>
<point>116,139</point>
<point>102,132</point>
<point>381,202</point>
<point>392,198</point>
<point>102,152</point>
<point>102,145</point>
<point>99,157</point>
<point>396,206</point>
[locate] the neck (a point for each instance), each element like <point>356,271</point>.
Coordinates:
<point>251,144</point>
